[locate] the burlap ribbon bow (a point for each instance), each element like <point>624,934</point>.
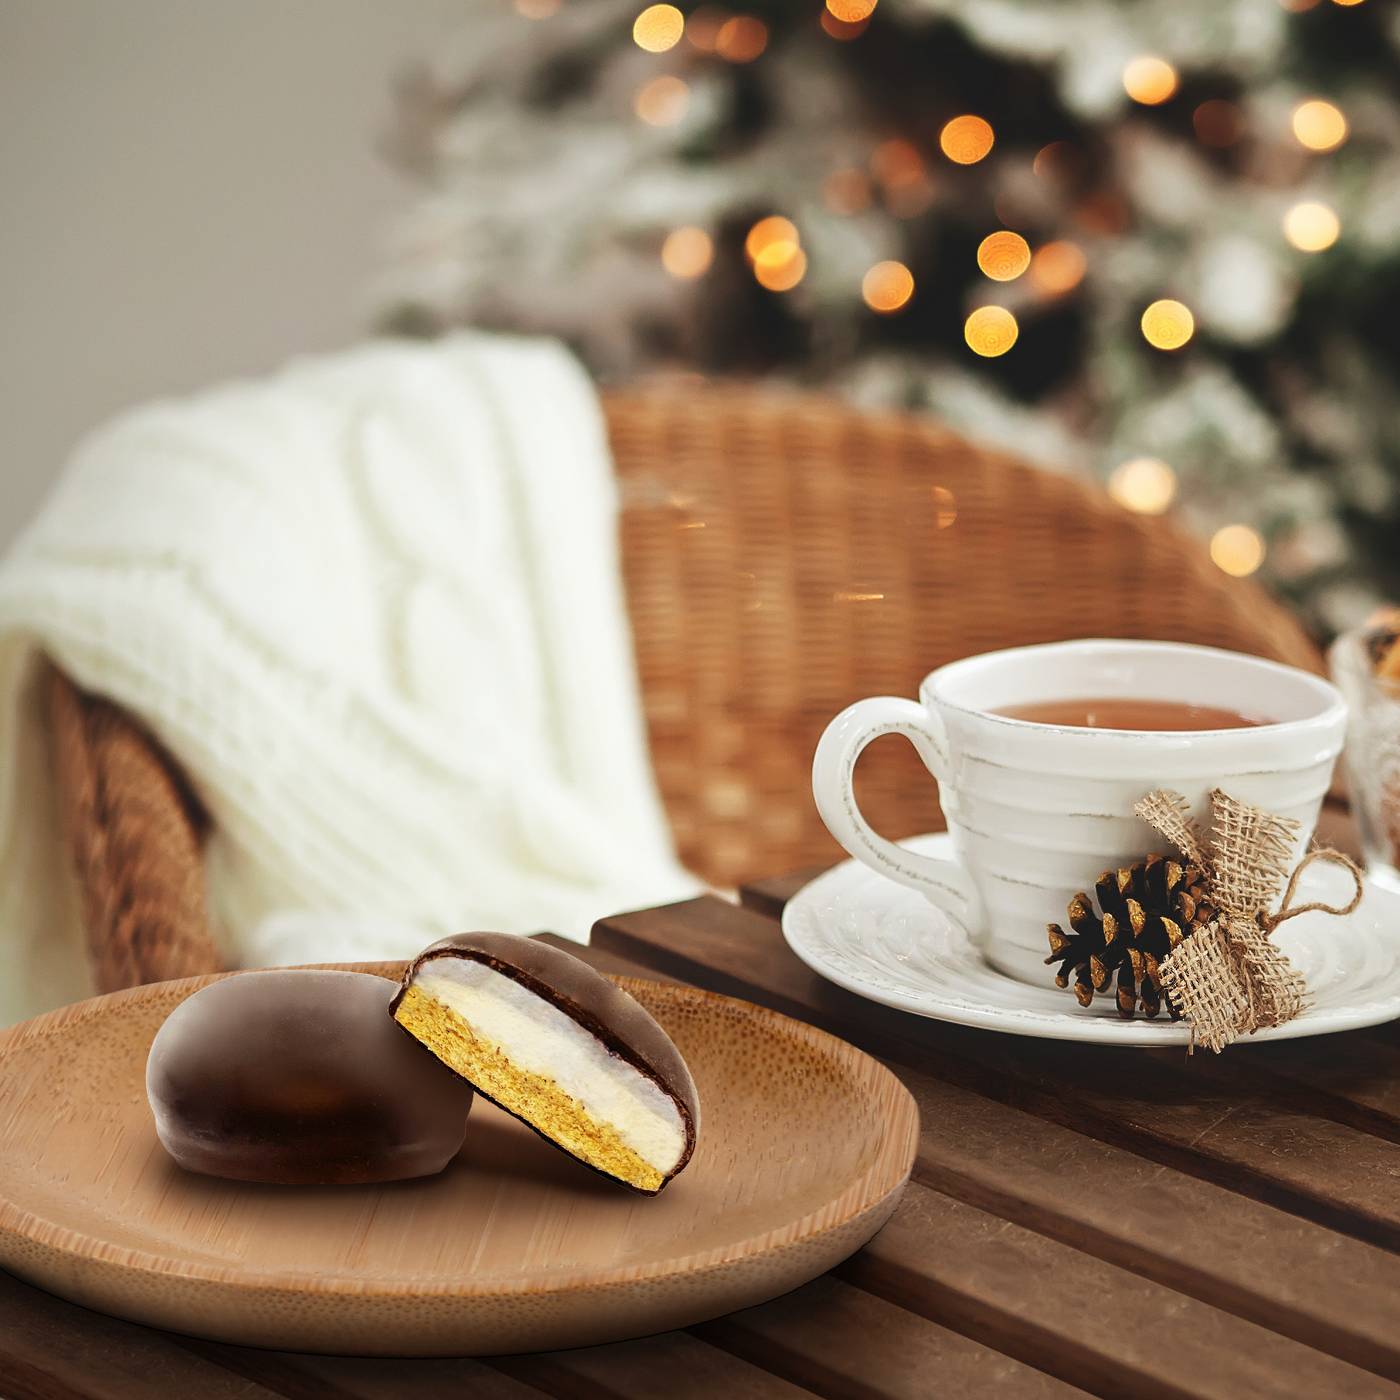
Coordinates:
<point>1228,979</point>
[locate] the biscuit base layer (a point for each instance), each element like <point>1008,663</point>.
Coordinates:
<point>534,1098</point>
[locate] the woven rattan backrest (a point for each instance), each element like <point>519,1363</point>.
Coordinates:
<point>788,554</point>
<point>784,556</point>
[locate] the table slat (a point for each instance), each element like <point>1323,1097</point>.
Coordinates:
<point>54,1350</point>
<point>840,1340</point>
<point>1252,1260</point>
<point>1085,1320</point>
<point>1276,1269</point>
<point>674,1365</point>
<point>301,1376</point>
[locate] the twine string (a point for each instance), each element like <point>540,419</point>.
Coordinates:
<point>1288,910</point>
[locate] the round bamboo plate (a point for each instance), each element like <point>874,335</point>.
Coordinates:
<point>805,1145</point>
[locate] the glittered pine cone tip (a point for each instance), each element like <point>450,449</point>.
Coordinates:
<point>1145,911</point>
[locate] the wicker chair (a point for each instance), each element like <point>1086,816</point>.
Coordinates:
<point>784,555</point>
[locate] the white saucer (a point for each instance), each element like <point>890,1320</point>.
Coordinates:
<point>885,942</point>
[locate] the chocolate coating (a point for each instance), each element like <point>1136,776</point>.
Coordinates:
<point>301,1077</point>
<point>613,1015</point>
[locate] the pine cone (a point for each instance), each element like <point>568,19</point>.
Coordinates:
<point>1146,911</point>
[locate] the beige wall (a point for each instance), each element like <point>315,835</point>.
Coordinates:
<point>188,189</point>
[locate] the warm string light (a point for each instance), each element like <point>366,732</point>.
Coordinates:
<point>1003,256</point>
<point>900,170</point>
<point>896,163</point>
<point>887,287</point>
<point>1237,549</point>
<point>1218,123</point>
<point>1052,160</point>
<point>1318,125</point>
<point>839,29</point>
<point>1346,4</point>
<point>967,139</point>
<point>1144,484</point>
<point>846,191</point>
<point>1167,325</point>
<point>774,247</point>
<point>662,101</point>
<point>658,28</point>
<point>1057,267</point>
<point>851,11</point>
<point>1103,212</point>
<point>990,331</point>
<point>1149,80</point>
<point>766,232</point>
<point>687,253</point>
<point>741,39</point>
<point>703,26</point>
<point>1311,226</point>
<point>780,268</point>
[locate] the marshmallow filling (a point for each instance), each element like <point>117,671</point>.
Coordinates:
<point>540,1064</point>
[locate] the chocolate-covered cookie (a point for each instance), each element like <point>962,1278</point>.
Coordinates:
<point>559,1046</point>
<point>301,1077</point>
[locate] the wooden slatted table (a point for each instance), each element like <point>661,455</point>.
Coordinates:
<point>1121,1222</point>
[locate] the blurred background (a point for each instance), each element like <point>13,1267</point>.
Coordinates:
<point>1155,242</point>
<point>192,190</point>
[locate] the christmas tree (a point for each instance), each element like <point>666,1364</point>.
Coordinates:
<point>1159,241</point>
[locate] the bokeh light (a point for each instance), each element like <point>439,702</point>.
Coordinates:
<point>896,163</point>
<point>991,331</point>
<point>1054,160</point>
<point>741,39</point>
<point>780,266</point>
<point>1319,125</point>
<point>1003,256</point>
<point>687,253</point>
<point>1149,80</point>
<point>662,101</point>
<point>1144,484</point>
<point>1310,226</point>
<point>887,286</point>
<point>1346,4</point>
<point>703,26</point>
<point>967,139</point>
<point>905,201</point>
<point>851,11</point>
<point>1057,267</point>
<point>1104,212</point>
<point>770,231</point>
<point>839,29</point>
<point>901,172</point>
<point>945,507</point>
<point>1237,549</point>
<point>1218,123</point>
<point>846,191</point>
<point>1167,325</point>
<point>658,28</point>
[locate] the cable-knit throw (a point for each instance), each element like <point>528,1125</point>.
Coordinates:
<point>373,608</point>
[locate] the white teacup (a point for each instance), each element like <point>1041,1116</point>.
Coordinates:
<point>1037,811</point>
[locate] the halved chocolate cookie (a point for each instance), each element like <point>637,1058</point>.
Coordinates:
<point>560,1047</point>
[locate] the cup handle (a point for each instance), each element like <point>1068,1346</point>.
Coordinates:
<point>943,883</point>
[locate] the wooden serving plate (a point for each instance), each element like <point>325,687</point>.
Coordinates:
<point>805,1146</point>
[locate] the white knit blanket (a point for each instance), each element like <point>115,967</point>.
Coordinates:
<point>373,608</point>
